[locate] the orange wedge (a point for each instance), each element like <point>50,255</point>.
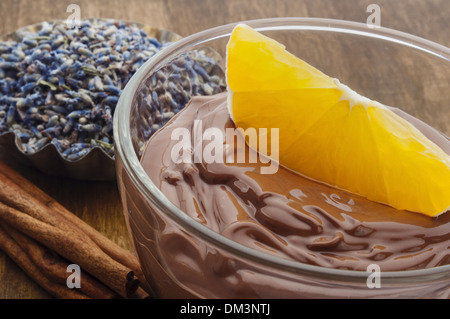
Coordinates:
<point>330,133</point>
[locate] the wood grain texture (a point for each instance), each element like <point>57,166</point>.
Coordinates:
<point>98,203</point>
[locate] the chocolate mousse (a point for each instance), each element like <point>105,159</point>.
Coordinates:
<point>282,214</point>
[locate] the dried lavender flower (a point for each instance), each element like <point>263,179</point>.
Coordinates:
<point>61,85</point>
<point>45,77</point>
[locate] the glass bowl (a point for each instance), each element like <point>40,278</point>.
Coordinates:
<point>391,67</point>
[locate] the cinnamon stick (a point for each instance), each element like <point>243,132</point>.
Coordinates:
<point>116,252</point>
<point>13,250</point>
<point>53,267</point>
<point>64,239</point>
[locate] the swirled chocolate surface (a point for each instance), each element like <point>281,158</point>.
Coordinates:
<point>287,215</point>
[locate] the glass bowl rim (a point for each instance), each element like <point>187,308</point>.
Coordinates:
<point>125,151</point>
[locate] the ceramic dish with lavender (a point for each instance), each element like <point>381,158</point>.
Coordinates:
<point>59,86</point>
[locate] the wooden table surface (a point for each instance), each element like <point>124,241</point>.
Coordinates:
<point>98,203</point>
